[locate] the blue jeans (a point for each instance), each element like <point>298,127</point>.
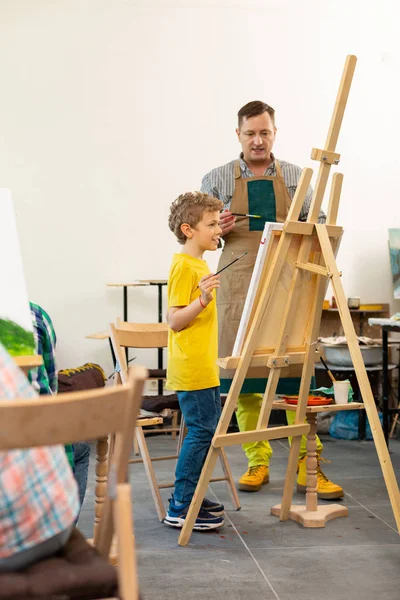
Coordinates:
<point>201,410</point>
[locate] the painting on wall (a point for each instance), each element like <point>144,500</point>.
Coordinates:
<point>394,251</point>
<point>16,329</point>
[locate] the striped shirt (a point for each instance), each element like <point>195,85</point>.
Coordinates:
<point>38,492</point>
<point>220,183</point>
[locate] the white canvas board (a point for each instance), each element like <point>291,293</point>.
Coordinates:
<point>16,328</point>
<point>272,319</point>
<point>269,228</point>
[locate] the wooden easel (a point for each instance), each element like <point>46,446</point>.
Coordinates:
<point>316,260</point>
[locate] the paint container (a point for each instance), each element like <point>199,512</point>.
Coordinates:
<point>353,302</point>
<point>341,391</point>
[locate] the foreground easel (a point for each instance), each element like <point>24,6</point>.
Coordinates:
<point>298,270</point>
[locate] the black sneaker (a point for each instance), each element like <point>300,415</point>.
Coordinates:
<point>215,508</point>
<point>204,522</point>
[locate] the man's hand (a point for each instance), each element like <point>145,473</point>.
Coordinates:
<point>207,284</point>
<point>227,222</point>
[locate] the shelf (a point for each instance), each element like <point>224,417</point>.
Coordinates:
<point>356,310</point>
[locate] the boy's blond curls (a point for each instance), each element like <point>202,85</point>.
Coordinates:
<point>189,208</point>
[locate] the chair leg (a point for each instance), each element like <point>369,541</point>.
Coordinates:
<point>182,433</point>
<point>229,479</point>
<point>151,476</point>
<point>127,565</point>
<point>101,483</point>
<point>174,424</point>
<point>105,530</point>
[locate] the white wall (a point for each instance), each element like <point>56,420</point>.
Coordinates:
<point>110,109</point>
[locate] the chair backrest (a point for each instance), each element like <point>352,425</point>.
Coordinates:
<point>136,335</point>
<point>71,417</point>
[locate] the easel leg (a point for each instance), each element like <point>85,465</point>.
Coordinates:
<point>291,472</point>
<point>362,378</point>
<point>268,398</point>
<point>229,479</point>
<point>198,496</point>
<point>296,441</point>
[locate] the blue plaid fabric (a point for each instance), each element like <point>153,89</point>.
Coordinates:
<point>44,378</point>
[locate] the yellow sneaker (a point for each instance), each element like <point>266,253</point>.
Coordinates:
<point>254,478</point>
<point>326,489</point>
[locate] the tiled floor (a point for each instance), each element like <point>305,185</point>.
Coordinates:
<point>256,556</point>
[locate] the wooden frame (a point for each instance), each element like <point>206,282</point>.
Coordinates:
<point>316,245</point>
<point>77,416</point>
<point>142,335</point>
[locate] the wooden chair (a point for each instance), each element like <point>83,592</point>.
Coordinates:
<point>155,335</point>
<point>79,568</point>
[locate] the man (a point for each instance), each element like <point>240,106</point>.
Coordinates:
<point>255,184</point>
<point>44,380</point>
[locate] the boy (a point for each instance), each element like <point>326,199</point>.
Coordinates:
<point>193,349</point>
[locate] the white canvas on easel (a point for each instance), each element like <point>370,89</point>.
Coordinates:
<point>268,232</point>
<point>268,245</point>
<point>16,329</point>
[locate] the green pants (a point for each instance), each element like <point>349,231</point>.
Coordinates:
<point>259,453</point>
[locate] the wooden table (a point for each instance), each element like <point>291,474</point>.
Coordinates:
<point>311,514</point>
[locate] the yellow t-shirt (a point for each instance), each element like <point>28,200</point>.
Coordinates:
<point>193,351</point>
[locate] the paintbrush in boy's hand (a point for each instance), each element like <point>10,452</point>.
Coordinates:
<point>231,263</point>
